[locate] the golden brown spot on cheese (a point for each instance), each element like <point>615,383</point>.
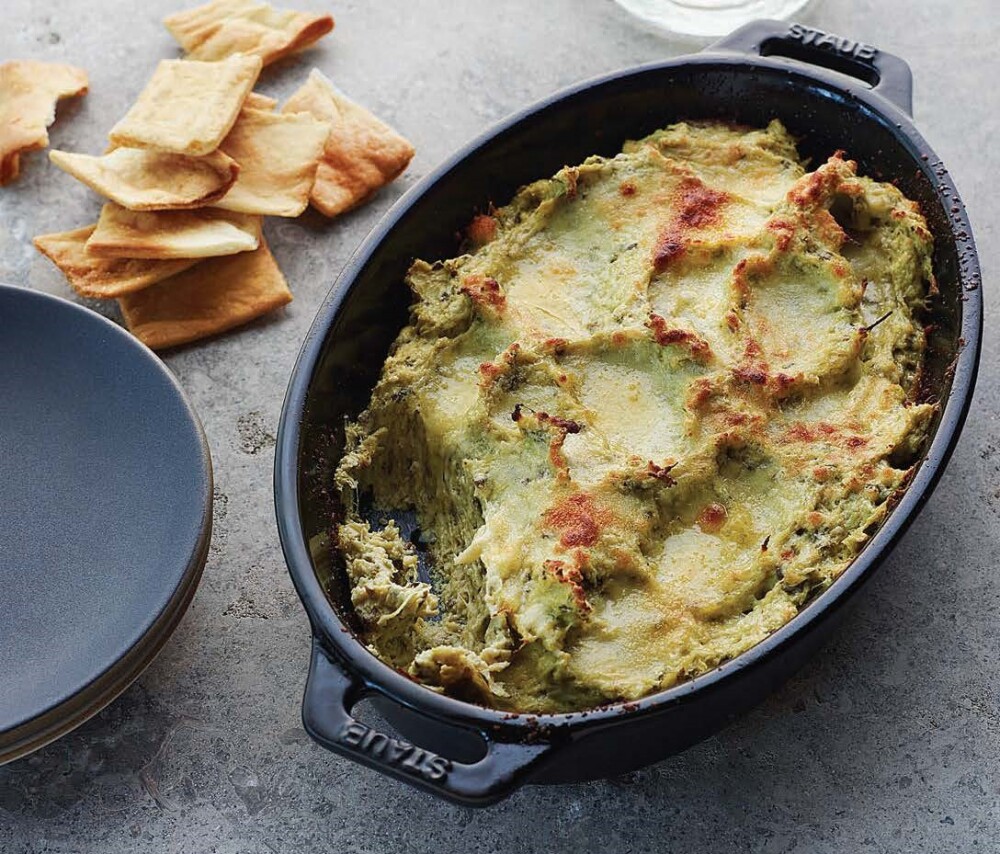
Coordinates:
<point>572,577</point>
<point>712,518</point>
<point>484,291</point>
<point>699,204</point>
<point>577,519</point>
<point>504,364</point>
<point>572,176</point>
<point>695,206</point>
<point>755,373</point>
<point>753,368</point>
<point>661,473</point>
<point>557,458</point>
<point>829,229</point>
<point>699,393</point>
<point>669,247</point>
<point>801,432</point>
<point>490,371</point>
<point>748,271</point>
<point>783,230</point>
<point>812,189</point>
<point>664,334</point>
<point>565,424</point>
<point>783,381</point>
<point>822,431</point>
<point>563,428</point>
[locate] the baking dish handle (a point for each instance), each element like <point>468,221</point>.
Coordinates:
<point>331,692</point>
<point>886,74</point>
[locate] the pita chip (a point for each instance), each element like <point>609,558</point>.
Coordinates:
<point>144,180</point>
<point>278,154</point>
<point>256,101</point>
<point>28,95</point>
<point>222,28</point>
<point>188,107</point>
<point>211,297</point>
<point>103,278</point>
<point>361,153</point>
<point>201,233</point>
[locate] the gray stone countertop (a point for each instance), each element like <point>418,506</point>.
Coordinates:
<point>889,740</point>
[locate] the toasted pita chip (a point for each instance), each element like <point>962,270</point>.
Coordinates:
<point>202,233</point>
<point>361,154</point>
<point>188,107</point>
<point>211,297</point>
<point>256,101</point>
<point>222,28</point>
<point>144,180</point>
<point>28,95</point>
<point>103,278</point>
<point>278,154</point>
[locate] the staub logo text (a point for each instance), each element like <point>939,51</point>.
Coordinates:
<point>828,41</point>
<point>396,752</point>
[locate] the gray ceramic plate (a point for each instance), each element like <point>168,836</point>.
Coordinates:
<point>105,513</point>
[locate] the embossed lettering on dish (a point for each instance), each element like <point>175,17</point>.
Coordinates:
<point>829,41</point>
<point>395,751</point>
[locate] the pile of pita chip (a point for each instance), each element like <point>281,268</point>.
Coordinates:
<point>222,28</point>
<point>278,155</point>
<point>144,180</point>
<point>165,235</point>
<point>165,171</point>
<point>361,153</point>
<point>212,297</point>
<point>188,107</point>
<point>103,278</point>
<point>200,159</point>
<point>28,95</point>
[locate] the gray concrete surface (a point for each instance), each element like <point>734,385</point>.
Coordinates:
<point>888,741</point>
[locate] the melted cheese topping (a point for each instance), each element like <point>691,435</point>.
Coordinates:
<point>662,401</point>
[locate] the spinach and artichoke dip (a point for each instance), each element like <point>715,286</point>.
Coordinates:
<point>661,402</point>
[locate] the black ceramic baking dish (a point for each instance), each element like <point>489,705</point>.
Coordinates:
<point>833,93</point>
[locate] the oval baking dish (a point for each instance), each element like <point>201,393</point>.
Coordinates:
<point>832,93</point>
